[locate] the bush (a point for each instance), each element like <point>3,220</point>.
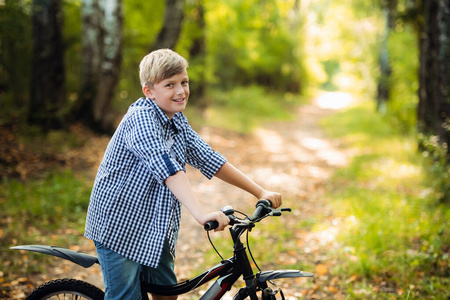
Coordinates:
<point>438,163</point>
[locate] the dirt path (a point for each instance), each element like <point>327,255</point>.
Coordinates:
<point>293,158</point>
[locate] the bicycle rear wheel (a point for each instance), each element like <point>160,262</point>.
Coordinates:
<point>66,289</point>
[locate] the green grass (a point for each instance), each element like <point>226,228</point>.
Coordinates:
<point>49,210</point>
<point>395,233</point>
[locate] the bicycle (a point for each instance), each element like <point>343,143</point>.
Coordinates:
<point>227,272</point>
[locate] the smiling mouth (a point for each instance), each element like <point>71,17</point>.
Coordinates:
<point>178,100</point>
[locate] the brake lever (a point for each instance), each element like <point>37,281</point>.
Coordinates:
<point>278,212</point>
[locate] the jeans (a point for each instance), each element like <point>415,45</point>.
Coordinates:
<point>121,275</point>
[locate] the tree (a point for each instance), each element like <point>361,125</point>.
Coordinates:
<point>47,96</point>
<point>197,53</point>
<point>15,33</point>
<point>102,47</point>
<point>390,12</point>
<point>434,91</point>
<point>170,31</point>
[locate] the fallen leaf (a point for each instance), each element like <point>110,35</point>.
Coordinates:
<point>321,269</point>
<point>333,289</point>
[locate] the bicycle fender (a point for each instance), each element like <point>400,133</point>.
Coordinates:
<point>269,275</point>
<point>83,259</point>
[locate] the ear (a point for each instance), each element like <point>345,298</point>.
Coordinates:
<point>147,91</point>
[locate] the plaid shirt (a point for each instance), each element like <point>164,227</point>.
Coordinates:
<point>131,210</point>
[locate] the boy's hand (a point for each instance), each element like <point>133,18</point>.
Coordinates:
<point>273,197</point>
<point>218,216</point>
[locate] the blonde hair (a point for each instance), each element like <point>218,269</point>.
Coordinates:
<point>159,65</point>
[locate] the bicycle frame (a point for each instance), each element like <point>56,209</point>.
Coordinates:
<point>228,274</point>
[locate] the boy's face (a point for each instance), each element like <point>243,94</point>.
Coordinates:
<point>171,94</point>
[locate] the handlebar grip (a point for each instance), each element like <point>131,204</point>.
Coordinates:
<point>264,202</point>
<point>210,225</point>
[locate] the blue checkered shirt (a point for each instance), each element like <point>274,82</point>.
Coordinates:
<point>131,210</point>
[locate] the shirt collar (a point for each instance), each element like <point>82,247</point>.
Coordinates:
<point>163,118</point>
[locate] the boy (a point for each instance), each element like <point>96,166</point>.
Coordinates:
<point>135,207</point>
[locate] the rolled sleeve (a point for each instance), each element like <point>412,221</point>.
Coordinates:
<point>148,144</point>
<point>163,167</point>
<point>212,164</point>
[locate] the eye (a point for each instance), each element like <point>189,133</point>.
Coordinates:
<point>169,85</point>
<point>185,82</point>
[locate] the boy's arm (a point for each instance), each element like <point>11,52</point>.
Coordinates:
<point>179,185</point>
<point>232,175</point>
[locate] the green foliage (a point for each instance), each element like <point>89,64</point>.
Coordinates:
<point>394,229</point>
<point>249,42</point>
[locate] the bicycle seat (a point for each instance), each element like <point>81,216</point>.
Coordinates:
<point>83,259</point>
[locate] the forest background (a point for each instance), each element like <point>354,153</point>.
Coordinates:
<point>71,65</point>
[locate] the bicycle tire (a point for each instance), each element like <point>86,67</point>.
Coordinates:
<point>66,289</point>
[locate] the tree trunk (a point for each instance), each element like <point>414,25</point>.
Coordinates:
<point>102,45</point>
<point>197,55</point>
<point>47,97</point>
<point>92,37</point>
<point>434,90</point>
<point>110,64</point>
<point>390,10</point>
<point>170,31</point>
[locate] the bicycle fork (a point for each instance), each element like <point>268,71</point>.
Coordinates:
<point>259,282</point>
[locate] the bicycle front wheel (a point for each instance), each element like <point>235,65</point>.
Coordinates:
<point>66,289</point>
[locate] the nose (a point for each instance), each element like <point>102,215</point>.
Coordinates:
<point>179,90</point>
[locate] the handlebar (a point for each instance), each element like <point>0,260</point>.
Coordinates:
<point>263,208</point>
